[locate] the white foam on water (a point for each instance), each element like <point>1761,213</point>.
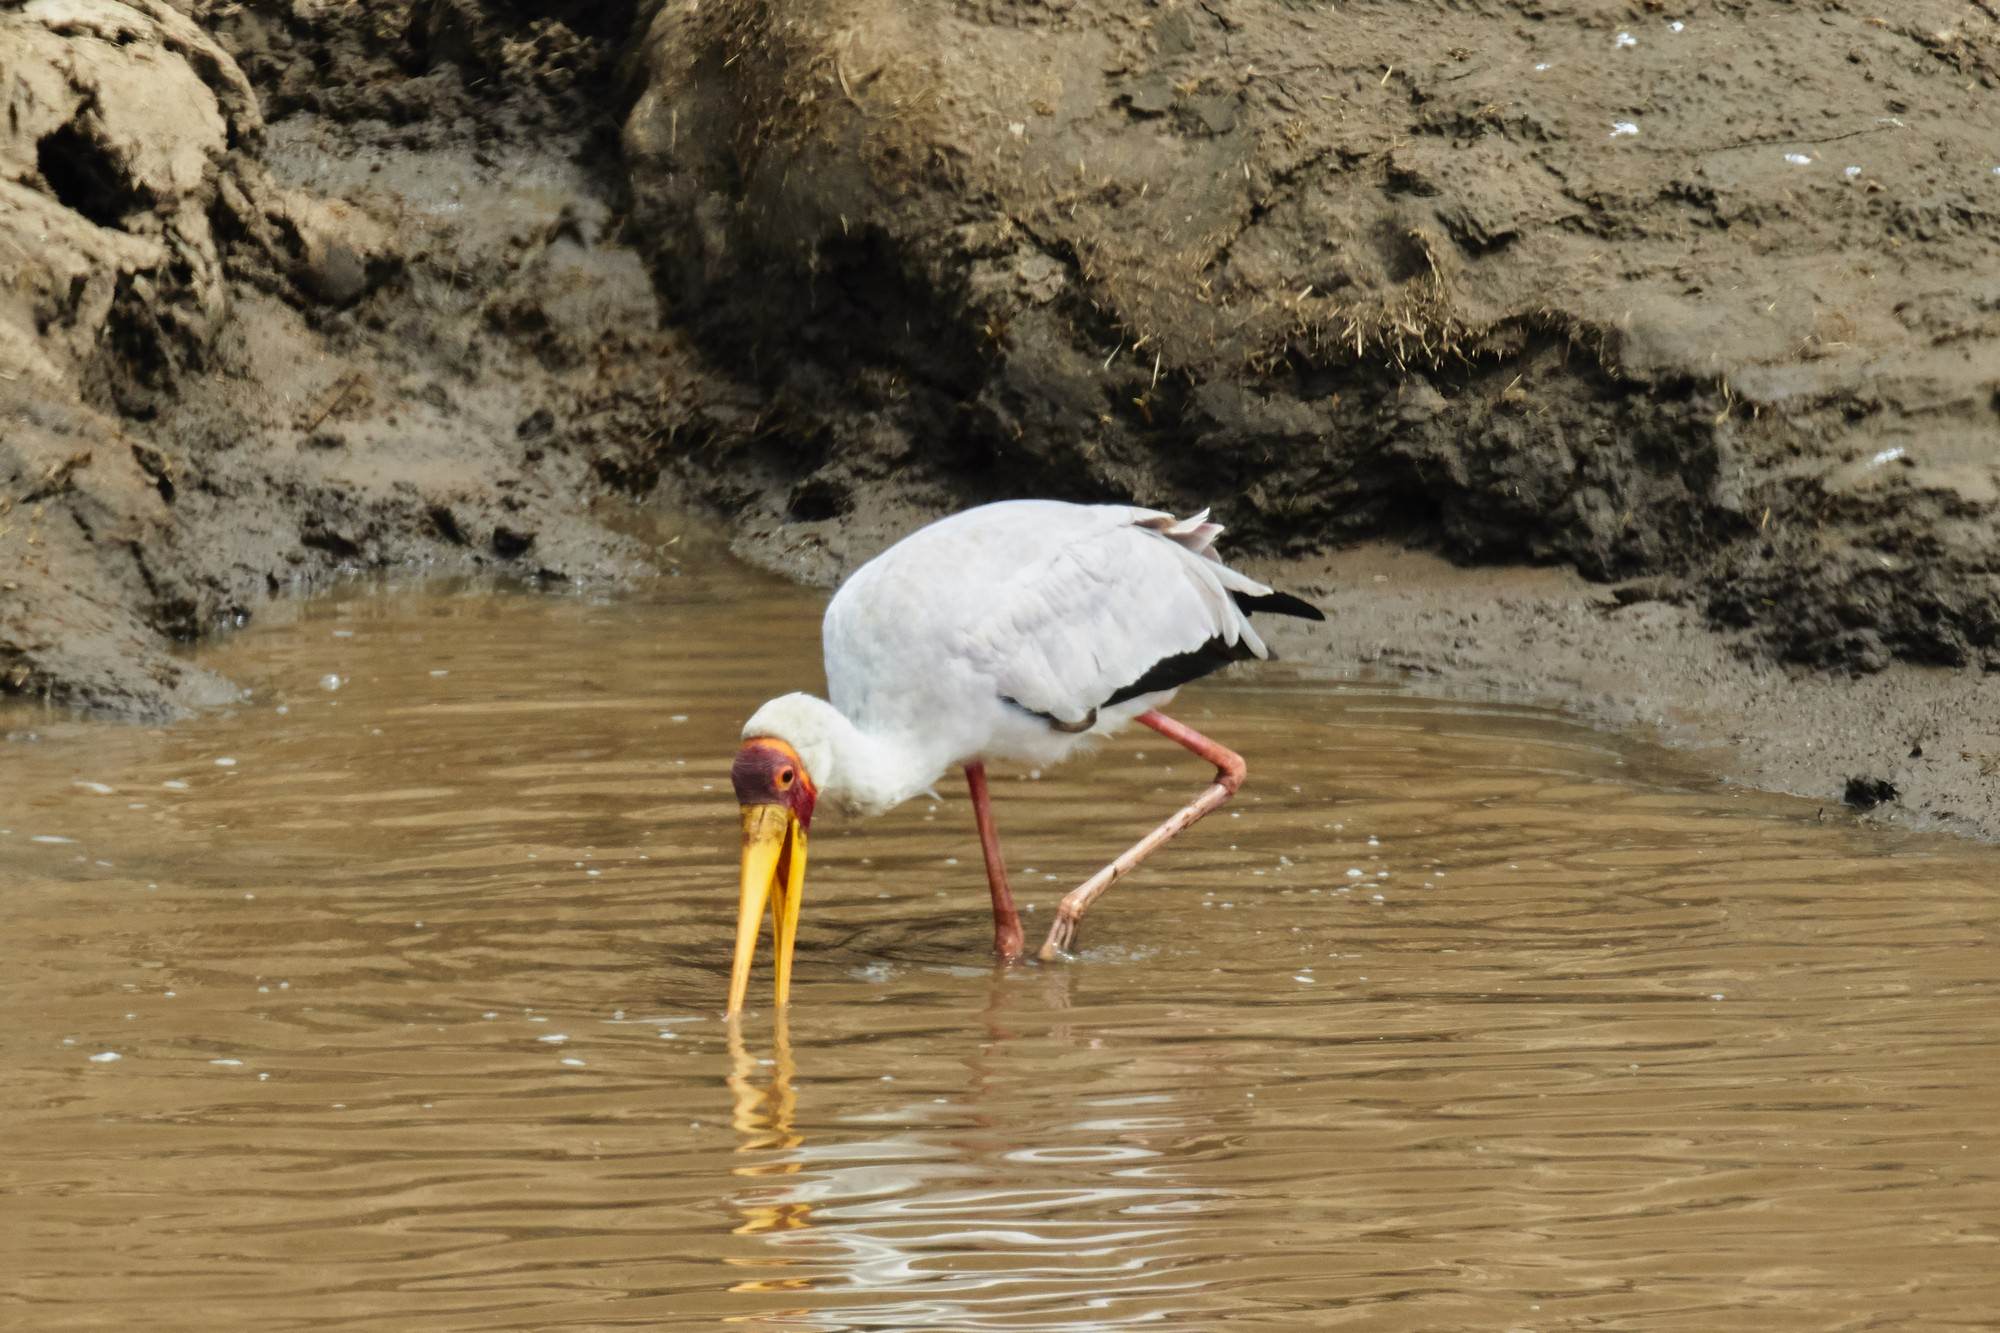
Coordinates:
<point>108,1057</point>
<point>554,1038</point>
<point>572,1062</point>
<point>174,784</point>
<point>1622,127</point>
<point>53,839</point>
<point>1798,159</point>
<point>228,1064</point>
<point>97,787</point>
<point>1626,39</point>
<point>225,762</point>
<point>331,681</point>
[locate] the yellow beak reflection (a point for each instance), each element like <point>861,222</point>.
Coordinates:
<point>774,871</point>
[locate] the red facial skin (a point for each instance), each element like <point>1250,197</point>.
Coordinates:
<point>768,772</point>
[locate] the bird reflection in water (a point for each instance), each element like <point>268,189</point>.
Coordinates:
<point>764,1107</point>
<point>762,1114</point>
<point>926,1210</point>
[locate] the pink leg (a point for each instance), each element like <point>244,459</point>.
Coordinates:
<point>1006,922</point>
<point>1228,777</point>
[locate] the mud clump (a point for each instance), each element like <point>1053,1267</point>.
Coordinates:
<point>1544,283</point>
<point>240,356</point>
<point>1867,793</point>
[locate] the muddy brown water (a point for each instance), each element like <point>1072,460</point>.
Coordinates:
<point>1464,1016</point>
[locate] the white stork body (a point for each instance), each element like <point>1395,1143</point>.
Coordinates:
<point>1007,632</point>
<point>1018,631</point>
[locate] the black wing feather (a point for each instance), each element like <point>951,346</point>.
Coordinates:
<point>1170,673</point>
<point>1279,604</point>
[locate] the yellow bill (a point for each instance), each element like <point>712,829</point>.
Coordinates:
<point>774,872</point>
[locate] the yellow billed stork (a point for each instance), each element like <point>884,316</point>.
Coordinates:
<point>1012,631</point>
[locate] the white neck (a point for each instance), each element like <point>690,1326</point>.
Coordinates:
<point>864,772</point>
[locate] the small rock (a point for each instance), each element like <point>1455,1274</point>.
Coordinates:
<point>334,274</point>
<point>1149,95</point>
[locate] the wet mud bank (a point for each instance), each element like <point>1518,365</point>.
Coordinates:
<point>1675,331</point>
<point>1705,295</point>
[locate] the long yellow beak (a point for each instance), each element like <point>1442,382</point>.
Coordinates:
<point>774,871</point>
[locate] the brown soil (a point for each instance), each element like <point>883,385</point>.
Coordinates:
<point>295,290</point>
<point>242,357</point>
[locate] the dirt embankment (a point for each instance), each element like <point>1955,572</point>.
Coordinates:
<point>294,290</point>
<point>1706,291</point>
<point>1700,300</point>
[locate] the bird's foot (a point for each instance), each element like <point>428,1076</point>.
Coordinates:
<point>1061,941</point>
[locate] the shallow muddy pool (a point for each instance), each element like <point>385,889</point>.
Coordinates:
<point>392,998</point>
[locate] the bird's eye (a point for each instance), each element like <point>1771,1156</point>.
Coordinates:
<point>784,777</point>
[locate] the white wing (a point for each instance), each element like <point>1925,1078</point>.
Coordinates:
<point>1001,630</point>
<point>1083,620</point>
